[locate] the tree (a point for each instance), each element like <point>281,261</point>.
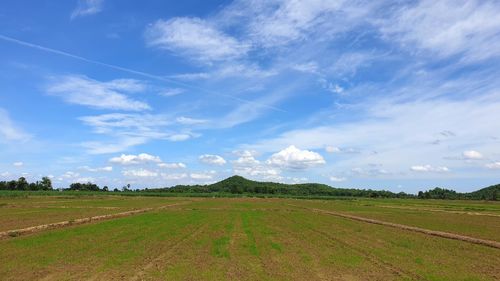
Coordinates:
<point>105,188</point>
<point>46,183</point>
<point>22,184</point>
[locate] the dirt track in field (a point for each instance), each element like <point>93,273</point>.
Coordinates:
<point>489,243</point>
<point>439,210</point>
<point>38,228</point>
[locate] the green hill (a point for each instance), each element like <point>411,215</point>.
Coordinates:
<point>241,185</point>
<point>487,193</point>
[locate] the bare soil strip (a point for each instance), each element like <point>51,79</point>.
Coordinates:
<point>38,228</point>
<point>439,210</point>
<point>489,243</point>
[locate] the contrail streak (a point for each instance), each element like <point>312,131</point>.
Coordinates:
<point>128,70</point>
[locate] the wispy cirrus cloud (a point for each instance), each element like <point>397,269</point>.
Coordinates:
<point>128,130</point>
<point>447,28</point>
<point>87,8</point>
<point>81,90</point>
<point>9,131</point>
<point>195,38</point>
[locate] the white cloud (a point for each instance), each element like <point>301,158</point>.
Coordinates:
<point>131,159</point>
<point>336,89</point>
<point>77,89</point>
<point>131,130</point>
<point>190,121</point>
<point>141,173</point>
<point>18,164</point>
<point>171,92</point>
<point>203,175</point>
<point>429,168</point>
<point>174,176</point>
<point>246,159</point>
<point>179,137</point>
<point>309,67</point>
<point>86,8</point>
<point>393,131</point>
<point>98,169</point>
<point>294,158</point>
<point>212,159</point>
<point>448,27</point>
<point>332,149</point>
<point>172,165</point>
<point>70,176</point>
<point>493,165</point>
<point>137,125</point>
<point>277,23</point>
<point>8,130</point>
<point>472,155</point>
<point>194,38</point>
<point>337,179</point>
<point>246,165</point>
<point>98,147</point>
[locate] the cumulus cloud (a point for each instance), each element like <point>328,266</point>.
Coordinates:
<point>131,159</point>
<point>18,164</point>
<point>294,158</point>
<point>172,165</point>
<point>86,8</point>
<point>211,159</point>
<point>141,173</point>
<point>429,169</point>
<point>79,89</point>
<point>246,165</point>
<point>71,176</point>
<point>472,155</point>
<point>194,38</point>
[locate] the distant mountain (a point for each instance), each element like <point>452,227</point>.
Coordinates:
<point>239,185</point>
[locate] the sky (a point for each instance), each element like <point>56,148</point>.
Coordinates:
<point>395,95</point>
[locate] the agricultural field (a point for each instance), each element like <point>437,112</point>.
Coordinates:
<point>246,239</point>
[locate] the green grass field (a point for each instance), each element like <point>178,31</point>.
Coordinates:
<point>246,239</point>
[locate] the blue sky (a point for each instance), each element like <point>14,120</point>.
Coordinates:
<point>398,95</point>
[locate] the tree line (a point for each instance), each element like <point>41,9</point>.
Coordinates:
<point>23,184</point>
<point>239,185</point>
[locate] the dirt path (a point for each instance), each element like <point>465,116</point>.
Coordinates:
<point>439,210</point>
<point>38,228</point>
<point>489,243</point>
